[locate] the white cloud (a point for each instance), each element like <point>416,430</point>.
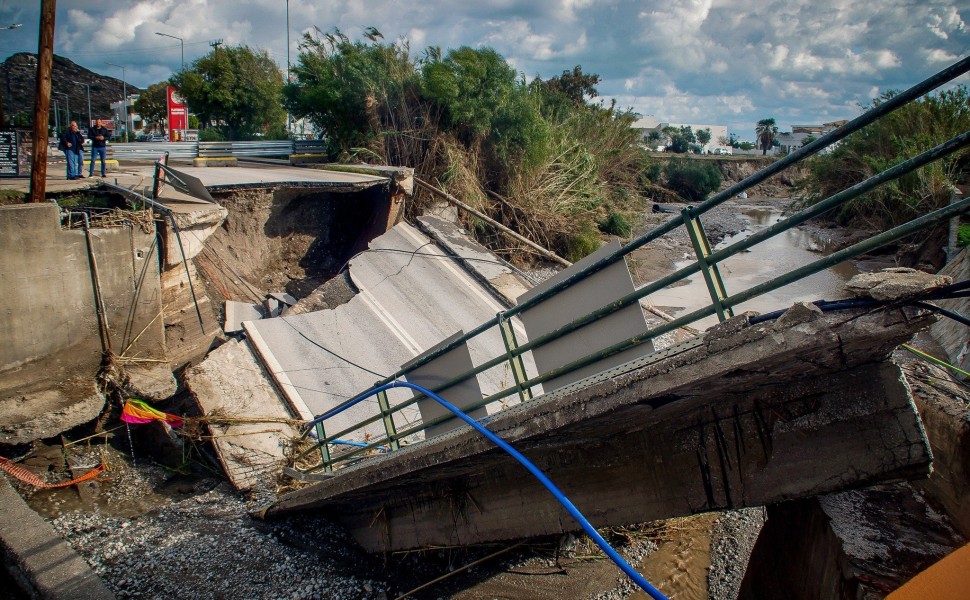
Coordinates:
<point>723,61</point>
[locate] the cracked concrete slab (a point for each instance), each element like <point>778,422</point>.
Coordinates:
<point>47,413</point>
<point>781,412</point>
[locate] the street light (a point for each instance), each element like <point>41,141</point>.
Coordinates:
<point>185,101</point>
<point>124,97</point>
<point>68,121</point>
<point>181,43</point>
<point>87,85</point>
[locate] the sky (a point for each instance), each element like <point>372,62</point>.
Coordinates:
<point>711,62</point>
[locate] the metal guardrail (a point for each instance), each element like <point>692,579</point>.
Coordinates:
<point>151,151</point>
<point>706,263</point>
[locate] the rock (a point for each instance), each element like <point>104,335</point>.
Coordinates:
<point>894,284</point>
<point>151,382</point>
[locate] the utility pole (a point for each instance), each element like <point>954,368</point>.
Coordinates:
<point>42,99</point>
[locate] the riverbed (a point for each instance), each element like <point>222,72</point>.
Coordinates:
<point>771,258</point>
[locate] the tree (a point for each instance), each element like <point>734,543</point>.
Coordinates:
<point>235,88</point>
<point>152,104</point>
<point>483,98</point>
<point>574,85</point>
<point>703,136</point>
<point>766,131</point>
<point>680,139</point>
<point>352,90</point>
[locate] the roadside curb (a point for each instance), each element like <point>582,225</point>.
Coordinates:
<point>38,558</point>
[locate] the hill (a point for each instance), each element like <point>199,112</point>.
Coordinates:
<point>19,76</point>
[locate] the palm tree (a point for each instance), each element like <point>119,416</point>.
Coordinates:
<point>765,131</point>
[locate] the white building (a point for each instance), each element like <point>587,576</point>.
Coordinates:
<point>134,121</point>
<point>648,125</point>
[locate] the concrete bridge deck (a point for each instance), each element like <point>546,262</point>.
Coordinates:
<point>741,416</point>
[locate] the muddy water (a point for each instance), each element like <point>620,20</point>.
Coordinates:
<point>775,256</point>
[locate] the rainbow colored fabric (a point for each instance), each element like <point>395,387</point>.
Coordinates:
<point>139,412</point>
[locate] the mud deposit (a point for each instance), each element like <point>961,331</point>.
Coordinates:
<point>288,240</point>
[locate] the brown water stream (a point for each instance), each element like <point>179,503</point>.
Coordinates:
<point>771,258</point>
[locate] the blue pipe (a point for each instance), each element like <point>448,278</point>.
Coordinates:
<point>525,462</point>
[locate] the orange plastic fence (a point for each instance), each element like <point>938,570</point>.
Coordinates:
<point>27,476</point>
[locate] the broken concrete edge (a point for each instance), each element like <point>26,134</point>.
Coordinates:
<point>70,414</point>
<point>39,560</point>
<point>504,282</point>
<point>402,177</point>
<point>215,161</point>
<point>528,421</point>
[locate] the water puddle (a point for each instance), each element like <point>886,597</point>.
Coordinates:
<point>771,258</point>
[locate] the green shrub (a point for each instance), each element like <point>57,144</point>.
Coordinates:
<point>692,179</point>
<point>615,224</point>
<point>582,243</point>
<point>211,134</point>
<point>898,136</point>
<point>963,236</point>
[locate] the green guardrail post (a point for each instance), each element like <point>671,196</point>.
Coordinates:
<point>515,361</point>
<point>388,419</point>
<point>712,276</point>
<point>324,448</point>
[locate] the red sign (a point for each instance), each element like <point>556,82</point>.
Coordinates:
<point>177,119</point>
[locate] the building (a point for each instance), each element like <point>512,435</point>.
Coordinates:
<point>133,123</point>
<point>648,125</point>
<point>802,134</point>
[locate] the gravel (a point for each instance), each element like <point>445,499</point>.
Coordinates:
<point>207,546</point>
<point>733,539</point>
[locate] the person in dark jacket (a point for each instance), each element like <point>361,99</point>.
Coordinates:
<point>99,135</point>
<point>72,143</point>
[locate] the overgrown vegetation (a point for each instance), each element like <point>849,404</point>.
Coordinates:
<point>692,179</point>
<point>538,156</point>
<point>912,129</point>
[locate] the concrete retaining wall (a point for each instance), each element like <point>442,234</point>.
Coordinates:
<point>47,300</point>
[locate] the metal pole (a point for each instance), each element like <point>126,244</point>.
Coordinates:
<point>42,98</point>
<point>124,95</point>
<point>3,118</point>
<point>68,98</point>
<point>57,120</point>
<point>186,102</point>
<point>87,85</point>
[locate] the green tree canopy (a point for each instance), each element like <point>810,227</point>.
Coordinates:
<point>236,89</point>
<point>343,87</point>
<point>152,104</point>
<point>703,136</point>
<point>766,131</point>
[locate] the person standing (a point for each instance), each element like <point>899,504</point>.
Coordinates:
<point>99,135</point>
<point>72,143</point>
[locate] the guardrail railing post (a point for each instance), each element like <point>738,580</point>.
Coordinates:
<point>712,276</point>
<point>515,361</point>
<point>388,419</point>
<point>324,448</point>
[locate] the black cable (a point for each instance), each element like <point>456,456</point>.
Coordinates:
<point>331,352</point>
<point>956,290</point>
